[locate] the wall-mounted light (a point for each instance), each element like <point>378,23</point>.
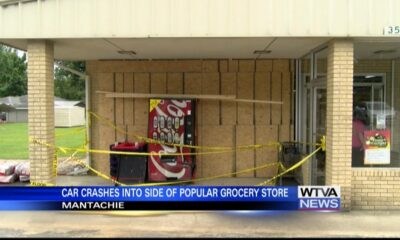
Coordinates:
<point>262,51</point>
<point>385,51</point>
<point>130,53</point>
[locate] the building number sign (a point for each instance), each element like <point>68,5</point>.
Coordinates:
<point>391,30</point>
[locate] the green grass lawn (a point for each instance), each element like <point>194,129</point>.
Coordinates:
<point>14,140</point>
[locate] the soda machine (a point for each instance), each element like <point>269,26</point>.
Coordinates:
<point>171,121</point>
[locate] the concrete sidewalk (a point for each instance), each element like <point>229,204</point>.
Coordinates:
<point>200,224</point>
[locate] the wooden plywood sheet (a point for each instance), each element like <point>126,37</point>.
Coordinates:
<point>245,88</point>
<point>284,133</point>
<point>233,65</point>
<point>223,66</point>
<point>228,109</point>
<point>210,109</point>
<point>210,66</point>
<point>141,85</point>
<point>184,66</point>
<point>286,97</point>
<point>245,159</point>
<point>262,92</point>
<point>276,95</point>
<point>158,83</point>
<point>119,102</point>
<point>217,164</point>
<point>104,135</point>
<point>129,112</point>
<point>175,83</point>
<point>192,85</point>
<point>137,130</point>
<point>281,65</point>
<point>158,66</point>
<point>247,65</point>
<point>264,65</point>
<point>266,134</point>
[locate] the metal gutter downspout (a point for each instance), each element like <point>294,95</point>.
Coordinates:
<point>87,105</point>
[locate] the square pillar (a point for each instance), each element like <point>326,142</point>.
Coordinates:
<point>339,117</point>
<point>41,110</point>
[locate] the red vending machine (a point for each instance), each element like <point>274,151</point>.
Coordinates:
<point>171,121</point>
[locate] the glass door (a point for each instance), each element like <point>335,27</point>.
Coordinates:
<point>319,130</point>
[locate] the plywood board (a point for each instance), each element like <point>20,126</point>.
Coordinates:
<point>223,66</point>
<point>158,66</point>
<point>281,65</point>
<point>198,158</point>
<point>141,85</point>
<point>286,98</point>
<point>262,92</point>
<point>266,134</point>
<point>192,85</point>
<point>284,133</point>
<point>210,66</point>
<point>276,95</point>
<point>137,130</point>
<point>247,65</point>
<point>175,83</point>
<point>104,134</point>
<point>264,65</point>
<point>245,90</point>
<point>210,109</point>
<point>233,65</point>
<point>217,164</point>
<point>129,112</point>
<point>228,109</point>
<point>158,83</point>
<point>187,66</point>
<point>245,159</point>
<point>119,103</point>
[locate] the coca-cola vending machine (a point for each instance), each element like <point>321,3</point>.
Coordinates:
<point>171,121</point>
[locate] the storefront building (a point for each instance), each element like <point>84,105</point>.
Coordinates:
<point>333,64</point>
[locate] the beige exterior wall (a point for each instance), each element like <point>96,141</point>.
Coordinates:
<point>375,189</point>
<point>41,110</point>
<point>339,117</point>
<point>218,123</point>
<point>197,18</point>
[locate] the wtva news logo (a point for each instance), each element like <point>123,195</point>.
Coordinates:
<point>319,197</point>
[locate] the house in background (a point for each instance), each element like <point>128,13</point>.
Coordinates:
<point>14,109</point>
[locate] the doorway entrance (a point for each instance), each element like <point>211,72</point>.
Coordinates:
<point>368,89</point>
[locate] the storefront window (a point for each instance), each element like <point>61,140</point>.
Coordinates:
<point>375,140</point>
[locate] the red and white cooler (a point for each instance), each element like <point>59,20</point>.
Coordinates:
<point>171,121</point>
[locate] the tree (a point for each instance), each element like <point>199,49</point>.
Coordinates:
<point>68,85</point>
<point>13,80</point>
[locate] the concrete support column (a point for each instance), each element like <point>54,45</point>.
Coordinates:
<point>41,110</point>
<point>339,117</point>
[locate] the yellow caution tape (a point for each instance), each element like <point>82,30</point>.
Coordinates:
<point>292,167</point>
<point>152,141</point>
<point>85,150</point>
